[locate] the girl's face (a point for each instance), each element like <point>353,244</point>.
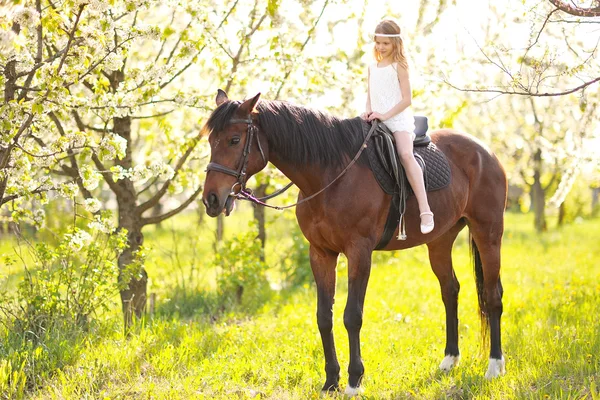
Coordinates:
<point>384,46</point>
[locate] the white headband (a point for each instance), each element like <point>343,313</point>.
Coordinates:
<point>388,35</point>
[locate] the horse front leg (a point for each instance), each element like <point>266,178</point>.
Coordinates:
<point>323,264</point>
<point>359,269</point>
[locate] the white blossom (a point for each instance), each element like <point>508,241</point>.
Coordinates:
<point>78,239</point>
<point>140,173</point>
<point>76,138</point>
<point>113,62</point>
<point>111,147</point>
<point>167,172</point>
<point>104,225</point>
<point>160,168</point>
<point>45,183</point>
<point>150,32</point>
<point>89,177</point>
<point>98,5</point>
<point>68,190</point>
<point>27,17</point>
<point>118,172</point>
<point>39,218</point>
<point>176,187</point>
<point>92,205</point>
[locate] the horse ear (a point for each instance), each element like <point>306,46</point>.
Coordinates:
<point>248,106</point>
<point>221,97</point>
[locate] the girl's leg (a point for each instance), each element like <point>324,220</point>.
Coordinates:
<point>404,146</point>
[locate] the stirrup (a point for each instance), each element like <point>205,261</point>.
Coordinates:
<point>427,228</point>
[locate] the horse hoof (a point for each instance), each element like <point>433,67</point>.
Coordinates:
<point>330,389</point>
<point>353,391</point>
<point>496,368</point>
<point>449,362</point>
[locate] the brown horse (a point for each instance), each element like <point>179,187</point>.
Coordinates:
<point>311,148</point>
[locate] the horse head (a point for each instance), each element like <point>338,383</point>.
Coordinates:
<point>238,150</point>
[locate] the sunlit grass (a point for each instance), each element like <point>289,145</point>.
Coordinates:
<point>550,329</point>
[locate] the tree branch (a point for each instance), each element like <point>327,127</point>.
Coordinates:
<point>16,196</point>
<point>244,43</point>
<point>174,49</point>
<point>70,41</point>
<point>162,114</point>
<point>574,10</point>
<point>310,32</point>
<point>38,55</point>
<point>161,192</point>
<point>164,42</point>
<point>182,70</point>
<point>73,171</point>
<point>106,174</point>
<point>160,218</point>
<point>525,92</point>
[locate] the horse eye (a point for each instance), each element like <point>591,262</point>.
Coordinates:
<point>234,140</point>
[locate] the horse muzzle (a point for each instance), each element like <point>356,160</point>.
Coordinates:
<point>214,206</point>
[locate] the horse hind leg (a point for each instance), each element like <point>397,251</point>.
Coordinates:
<point>485,246</point>
<point>440,257</point>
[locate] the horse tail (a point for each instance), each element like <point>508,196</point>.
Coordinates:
<point>478,270</point>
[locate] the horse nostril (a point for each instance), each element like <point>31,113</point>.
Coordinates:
<point>213,201</point>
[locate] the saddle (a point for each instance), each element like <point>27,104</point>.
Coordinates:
<point>389,173</point>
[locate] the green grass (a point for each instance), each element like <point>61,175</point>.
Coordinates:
<point>550,327</point>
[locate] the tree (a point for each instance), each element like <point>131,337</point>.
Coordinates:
<point>556,65</point>
<point>80,111</point>
<point>559,57</point>
<point>110,103</point>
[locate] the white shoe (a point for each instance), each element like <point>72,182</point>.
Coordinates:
<point>426,228</point>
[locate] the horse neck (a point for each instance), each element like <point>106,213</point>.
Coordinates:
<point>309,179</point>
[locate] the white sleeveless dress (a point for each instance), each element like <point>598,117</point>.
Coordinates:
<point>384,88</point>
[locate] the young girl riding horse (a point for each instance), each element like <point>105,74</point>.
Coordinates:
<point>389,100</point>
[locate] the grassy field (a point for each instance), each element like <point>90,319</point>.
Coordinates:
<point>551,328</point>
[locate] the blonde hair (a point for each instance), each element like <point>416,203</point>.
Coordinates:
<point>389,27</point>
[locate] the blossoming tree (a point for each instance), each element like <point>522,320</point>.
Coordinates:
<point>104,100</point>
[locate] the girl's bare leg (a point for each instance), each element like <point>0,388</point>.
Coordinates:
<point>404,146</point>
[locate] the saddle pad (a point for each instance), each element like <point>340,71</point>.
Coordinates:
<point>437,169</point>
<point>431,160</point>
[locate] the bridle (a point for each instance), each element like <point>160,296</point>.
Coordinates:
<point>240,174</point>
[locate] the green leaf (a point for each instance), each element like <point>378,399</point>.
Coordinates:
<point>272,7</point>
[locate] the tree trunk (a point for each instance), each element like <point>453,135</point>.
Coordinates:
<point>561,214</point>
<point>259,216</point>
<point>220,229</point>
<point>9,94</point>
<point>595,196</point>
<point>538,194</point>
<point>133,297</point>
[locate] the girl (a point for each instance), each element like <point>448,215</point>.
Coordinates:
<point>389,98</point>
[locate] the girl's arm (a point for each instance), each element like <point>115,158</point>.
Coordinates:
<point>406,91</point>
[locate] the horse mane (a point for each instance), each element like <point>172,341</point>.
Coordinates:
<point>302,136</point>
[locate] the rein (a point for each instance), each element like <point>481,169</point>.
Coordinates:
<point>246,194</point>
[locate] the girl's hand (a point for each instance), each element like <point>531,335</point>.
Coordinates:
<point>365,115</point>
<point>376,115</point>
